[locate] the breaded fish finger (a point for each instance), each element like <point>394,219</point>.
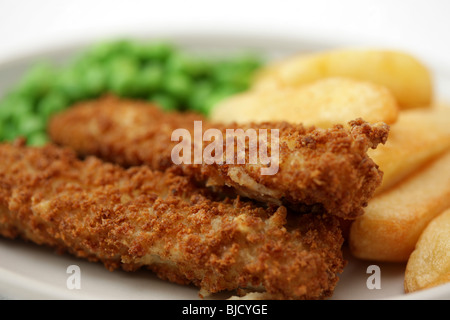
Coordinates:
<point>139,218</point>
<point>328,168</point>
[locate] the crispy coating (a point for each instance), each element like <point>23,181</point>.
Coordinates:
<point>132,218</point>
<point>429,264</point>
<point>328,168</point>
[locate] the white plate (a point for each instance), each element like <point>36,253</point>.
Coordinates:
<point>28,271</point>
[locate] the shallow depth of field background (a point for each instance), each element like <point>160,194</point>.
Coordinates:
<point>418,26</point>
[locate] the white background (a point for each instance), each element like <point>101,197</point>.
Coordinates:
<point>421,27</point>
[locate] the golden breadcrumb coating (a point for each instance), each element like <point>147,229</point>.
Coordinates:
<point>132,218</point>
<point>328,168</point>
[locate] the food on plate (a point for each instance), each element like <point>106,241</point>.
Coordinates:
<point>133,218</point>
<point>322,103</point>
<point>394,220</point>
<point>156,71</point>
<point>417,137</point>
<point>429,264</point>
<point>405,76</point>
<point>322,168</point>
<point>268,227</point>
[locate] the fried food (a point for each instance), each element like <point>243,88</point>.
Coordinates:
<point>429,264</point>
<point>418,136</point>
<point>328,169</point>
<point>441,105</point>
<point>406,77</point>
<point>394,220</point>
<point>323,103</point>
<point>133,218</point>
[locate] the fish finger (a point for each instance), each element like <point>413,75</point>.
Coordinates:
<point>138,218</point>
<point>324,168</point>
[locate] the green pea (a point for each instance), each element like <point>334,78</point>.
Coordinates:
<point>37,139</point>
<point>200,92</point>
<point>6,106</point>
<point>15,114</point>
<point>189,65</point>
<point>225,73</point>
<point>165,102</point>
<point>30,124</point>
<point>127,47</point>
<point>80,62</point>
<point>149,79</point>
<point>177,84</point>
<point>156,51</point>
<point>69,83</point>
<point>226,90</point>
<point>2,128</point>
<point>95,80</point>
<point>18,107</point>
<point>97,52</point>
<point>170,77</point>
<point>52,103</point>
<point>9,131</point>
<point>122,76</point>
<point>37,80</point>
<point>106,50</point>
<point>199,67</point>
<point>246,62</point>
<point>240,79</point>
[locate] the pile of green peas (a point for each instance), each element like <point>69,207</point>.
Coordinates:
<point>154,71</point>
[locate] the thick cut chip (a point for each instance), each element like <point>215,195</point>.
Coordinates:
<point>394,220</point>
<point>323,103</point>
<point>429,264</point>
<point>418,136</point>
<point>407,78</point>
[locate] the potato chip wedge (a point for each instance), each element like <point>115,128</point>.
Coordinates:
<point>393,221</point>
<point>418,136</point>
<point>323,103</point>
<point>408,79</point>
<point>441,105</point>
<point>429,264</point>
